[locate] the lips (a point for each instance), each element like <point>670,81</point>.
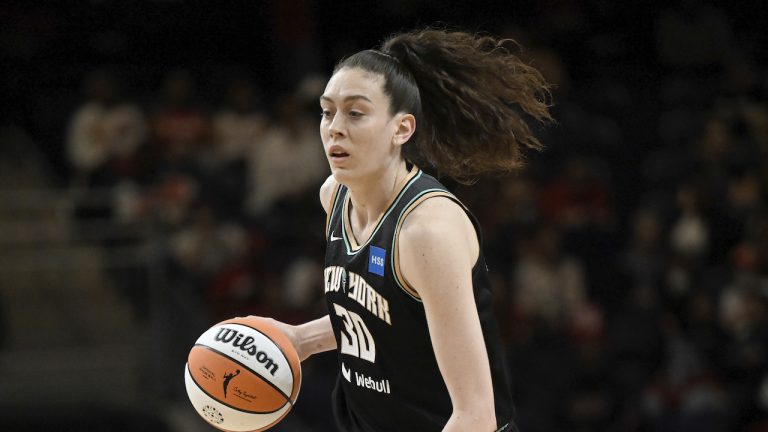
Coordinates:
<point>336,152</point>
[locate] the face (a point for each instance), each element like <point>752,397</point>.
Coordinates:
<point>360,136</point>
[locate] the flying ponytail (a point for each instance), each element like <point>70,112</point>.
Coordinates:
<point>470,96</point>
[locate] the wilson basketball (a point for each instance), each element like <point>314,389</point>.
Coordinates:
<point>243,374</point>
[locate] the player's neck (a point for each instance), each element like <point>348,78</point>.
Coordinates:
<point>371,199</point>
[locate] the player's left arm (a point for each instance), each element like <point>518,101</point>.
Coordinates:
<point>438,247</point>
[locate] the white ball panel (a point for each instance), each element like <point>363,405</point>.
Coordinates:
<point>224,417</point>
<point>282,378</point>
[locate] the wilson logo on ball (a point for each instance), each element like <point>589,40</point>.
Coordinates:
<point>246,344</point>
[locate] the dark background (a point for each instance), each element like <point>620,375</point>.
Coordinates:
<point>629,259</point>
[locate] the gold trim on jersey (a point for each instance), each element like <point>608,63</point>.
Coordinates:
<point>347,225</point>
<point>331,209</point>
<point>397,273</point>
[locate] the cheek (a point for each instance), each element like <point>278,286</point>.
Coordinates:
<point>324,134</point>
<point>375,135</point>
<point>378,147</point>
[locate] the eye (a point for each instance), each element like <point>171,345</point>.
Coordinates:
<point>355,114</point>
<point>326,114</point>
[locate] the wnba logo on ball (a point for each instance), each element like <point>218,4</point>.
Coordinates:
<point>228,335</point>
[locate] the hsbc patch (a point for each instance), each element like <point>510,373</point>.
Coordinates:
<point>376,258</point>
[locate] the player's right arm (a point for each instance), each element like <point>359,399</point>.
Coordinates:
<point>315,336</point>
<point>309,338</point>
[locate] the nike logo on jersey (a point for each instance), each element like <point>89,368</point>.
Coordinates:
<point>346,372</point>
<point>334,238</point>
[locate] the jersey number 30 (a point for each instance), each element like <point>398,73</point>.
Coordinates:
<point>358,341</point>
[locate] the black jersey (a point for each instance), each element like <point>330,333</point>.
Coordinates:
<point>389,379</point>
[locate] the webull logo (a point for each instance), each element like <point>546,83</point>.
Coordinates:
<point>246,344</point>
<point>380,386</point>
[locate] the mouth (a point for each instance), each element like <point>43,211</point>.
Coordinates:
<point>337,154</point>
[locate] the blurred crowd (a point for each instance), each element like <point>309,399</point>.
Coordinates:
<point>231,192</point>
<point>629,259</point>
<point>229,187</point>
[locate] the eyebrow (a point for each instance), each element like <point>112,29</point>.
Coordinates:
<point>347,98</point>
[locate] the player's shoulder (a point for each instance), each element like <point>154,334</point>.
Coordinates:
<point>434,219</point>
<point>327,191</point>
<point>437,239</point>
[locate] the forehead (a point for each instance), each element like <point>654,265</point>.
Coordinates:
<point>348,82</point>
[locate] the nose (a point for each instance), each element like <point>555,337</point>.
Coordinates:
<point>336,127</point>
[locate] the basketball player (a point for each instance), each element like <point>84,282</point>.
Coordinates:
<point>406,283</point>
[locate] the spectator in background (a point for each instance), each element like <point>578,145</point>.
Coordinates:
<point>238,288</point>
<point>238,127</point>
<point>579,202</point>
<point>578,199</point>
<point>642,264</point>
<point>204,245</point>
<point>684,395</point>
<point>743,354</point>
<point>689,234</point>
<point>197,251</point>
<point>588,402</point>
<point>755,117</point>
<point>288,161</point>
<point>689,239</point>
<point>715,153</point>
<point>547,284</point>
<point>238,124</point>
<point>552,324</point>
<point>635,341</point>
<point>169,200</point>
<point>104,133</point>
<point>180,127</point>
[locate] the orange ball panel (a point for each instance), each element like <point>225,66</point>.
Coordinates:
<point>245,390</point>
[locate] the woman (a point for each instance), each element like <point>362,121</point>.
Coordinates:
<point>405,279</point>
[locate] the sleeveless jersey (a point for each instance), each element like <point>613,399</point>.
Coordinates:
<point>389,379</point>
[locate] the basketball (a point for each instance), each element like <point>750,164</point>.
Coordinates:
<point>243,374</point>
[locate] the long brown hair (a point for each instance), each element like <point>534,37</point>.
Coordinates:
<point>470,95</point>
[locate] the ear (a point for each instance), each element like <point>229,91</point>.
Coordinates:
<point>406,126</point>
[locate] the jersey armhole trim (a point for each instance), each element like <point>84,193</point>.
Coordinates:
<point>397,274</point>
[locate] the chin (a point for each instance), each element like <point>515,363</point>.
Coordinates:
<point>341,175</point>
